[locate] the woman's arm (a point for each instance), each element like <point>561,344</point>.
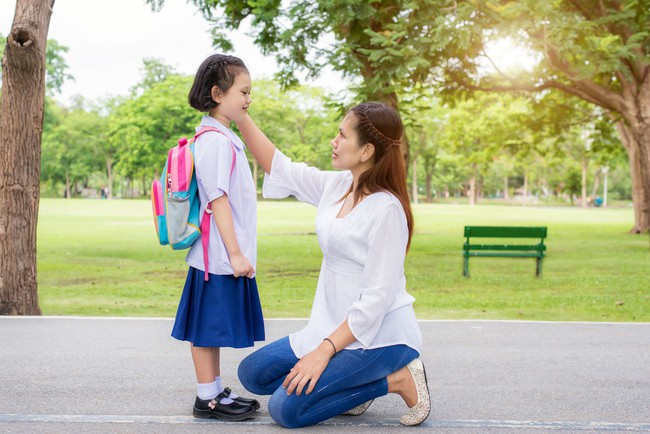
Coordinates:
<point>257,142</point>
<point>222,214</point>
<point>311,366</point>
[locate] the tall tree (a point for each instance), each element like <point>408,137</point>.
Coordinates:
<point>22,104</point>
<point>384,45</point>
<point>143,127</point>
<point>73,149</point>
<point>597,51</point>
<point>424,118</point>
<point>56,68</point>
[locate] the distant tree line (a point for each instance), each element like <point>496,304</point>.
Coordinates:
<point>551,148</point>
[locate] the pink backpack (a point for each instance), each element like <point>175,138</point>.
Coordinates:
<point>175,199</point>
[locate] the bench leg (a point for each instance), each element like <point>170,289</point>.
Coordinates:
<point>538,270</point>
<point>466,266</point>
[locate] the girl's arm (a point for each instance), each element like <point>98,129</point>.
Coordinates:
<point>257,142</point>
<point>311,366</point>
<point>222,214</point>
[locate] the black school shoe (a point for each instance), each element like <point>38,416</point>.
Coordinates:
<point>212,408</point>
<point>245,401</point>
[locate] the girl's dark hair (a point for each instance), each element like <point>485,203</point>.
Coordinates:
<point>217,70</point>
<point>379,124</point>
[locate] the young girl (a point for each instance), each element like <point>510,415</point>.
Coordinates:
<point>362,340</point>
<point>224,310</point>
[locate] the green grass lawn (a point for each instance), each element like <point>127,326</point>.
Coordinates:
<point>102,258</point>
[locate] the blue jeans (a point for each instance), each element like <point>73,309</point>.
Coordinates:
<point>351,378</point>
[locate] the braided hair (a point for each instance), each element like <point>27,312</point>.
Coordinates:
<point>217,70</point>
<point>380,125</point>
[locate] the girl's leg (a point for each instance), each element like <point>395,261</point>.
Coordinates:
<point>209,402</point>
<point>351,378</point>
<point>263,371</point>
<point>216,361</point>
<point>203,358</point>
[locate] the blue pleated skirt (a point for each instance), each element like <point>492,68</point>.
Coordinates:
<point>225,311</point>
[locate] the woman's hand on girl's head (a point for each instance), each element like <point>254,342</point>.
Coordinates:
<point>241,266</point>
<point>307,370</point>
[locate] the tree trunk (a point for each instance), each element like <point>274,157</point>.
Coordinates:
<point>21,128</point>
<point>414,179</point>
<point>643,148</point>
<point>109,176</point>
<point>638,123</point>
<point>594,190</point>
<point>472,186</point>
<point>525,201</point>
<point>68,190</point>
<point>605,187</point>
<point>585,167</point>
<point>428,187</point>
<point>641,211</point>
<point>506,188</point>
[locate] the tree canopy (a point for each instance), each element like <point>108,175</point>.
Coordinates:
<point>596,51</point>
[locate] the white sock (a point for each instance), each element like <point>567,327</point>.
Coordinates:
<point>225,401</point>
<point>220,387</point>
<point>207,390</point>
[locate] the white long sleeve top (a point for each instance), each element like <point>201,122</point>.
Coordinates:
<point>362,274</point>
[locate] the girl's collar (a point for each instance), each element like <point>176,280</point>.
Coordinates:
<point>209,121</point>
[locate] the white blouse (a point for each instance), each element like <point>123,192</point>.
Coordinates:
<point>362,274</point>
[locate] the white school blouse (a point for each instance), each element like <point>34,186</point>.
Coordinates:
<point>212,163</point>
<point>362,274</point>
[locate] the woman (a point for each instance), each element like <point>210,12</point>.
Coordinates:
<point>362,340</point>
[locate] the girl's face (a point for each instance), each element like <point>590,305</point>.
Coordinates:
<point>233,105</point>
<point>346,152</point>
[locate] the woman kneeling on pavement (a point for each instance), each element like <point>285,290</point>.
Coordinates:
<point>362,340</point>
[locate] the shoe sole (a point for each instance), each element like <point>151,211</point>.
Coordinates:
<point>426,383</point>
<point>363,407</point>
<point>209,414</point>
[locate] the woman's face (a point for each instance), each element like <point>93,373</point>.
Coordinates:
<point>346,152</point>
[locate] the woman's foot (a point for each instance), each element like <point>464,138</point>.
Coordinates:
<point>359,409</point>
<point>244,401</point>
<point>213,408</point>
<point>420,407</point>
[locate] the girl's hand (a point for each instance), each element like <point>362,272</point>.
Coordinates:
<point>308,370</point>
<point>241,266</point>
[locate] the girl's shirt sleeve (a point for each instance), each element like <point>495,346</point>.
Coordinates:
<point>306,183</point>
<point>382,275</point>
<point>212,164</point>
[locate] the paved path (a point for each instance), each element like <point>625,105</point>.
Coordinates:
<point>60,374</point>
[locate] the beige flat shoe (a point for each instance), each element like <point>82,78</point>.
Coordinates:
<point>359,409</point>
<point>420,411</point>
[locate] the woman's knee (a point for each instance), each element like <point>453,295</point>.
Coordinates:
<point>283,409</point>
<point>249,373</point>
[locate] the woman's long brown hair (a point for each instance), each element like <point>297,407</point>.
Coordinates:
<point>379,124</point>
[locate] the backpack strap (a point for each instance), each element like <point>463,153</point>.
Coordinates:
<point>205,220</point>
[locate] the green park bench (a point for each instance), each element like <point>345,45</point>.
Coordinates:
<point>493,250</point>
